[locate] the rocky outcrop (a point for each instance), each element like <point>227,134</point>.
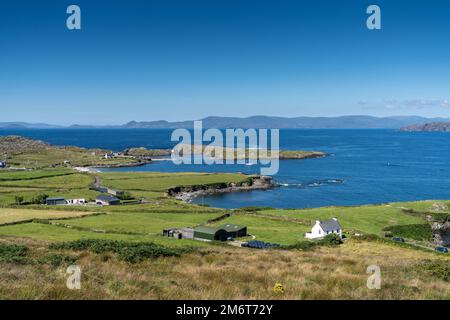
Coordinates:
<point>429,127</point>
<point>187,193</point>
<point>441,233</point>
<point>16,144</point>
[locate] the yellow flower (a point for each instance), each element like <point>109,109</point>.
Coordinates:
<point>278,288</point>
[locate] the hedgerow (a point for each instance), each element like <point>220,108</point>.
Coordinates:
<point>131,252</point>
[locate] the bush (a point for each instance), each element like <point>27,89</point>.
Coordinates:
<point>437,269</point>
<point>302,245</point>
<point>131,252</point>
<point>13,253</point>
<point>412,231</point>
<point>39,199</point>
<point>255,208</point>
<point>332,239</point>
<point>18,200</point>
<point>57,260</point>
<point>329,240</point>
<point>125,196</point>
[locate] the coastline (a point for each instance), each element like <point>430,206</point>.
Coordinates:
<point>188,193</point>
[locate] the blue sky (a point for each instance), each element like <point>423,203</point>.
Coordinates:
<point>187,59</point>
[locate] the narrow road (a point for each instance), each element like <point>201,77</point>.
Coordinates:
<point>97,182</point>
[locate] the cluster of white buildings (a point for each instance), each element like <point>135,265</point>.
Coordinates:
<point>101,200</point>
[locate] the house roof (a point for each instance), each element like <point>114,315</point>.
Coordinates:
<point>107,198</point>
<point>330,225</point>
<point>231,227</point>
<point>54,199</point>
<point>208,230</point>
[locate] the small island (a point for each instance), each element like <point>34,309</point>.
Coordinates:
<point>428,127</point>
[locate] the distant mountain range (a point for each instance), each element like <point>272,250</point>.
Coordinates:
<point>26,125</point>
<point>342,122</point>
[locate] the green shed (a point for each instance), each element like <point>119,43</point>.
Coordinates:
<point>234,230</point>
<point>210,233</point>
<point>221,233</point>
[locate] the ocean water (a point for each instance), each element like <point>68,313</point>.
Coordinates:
<point>364,166</point>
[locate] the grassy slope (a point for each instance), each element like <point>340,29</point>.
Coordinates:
<point>234,273</point>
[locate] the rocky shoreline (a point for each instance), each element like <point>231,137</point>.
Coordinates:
<point>188,193</point>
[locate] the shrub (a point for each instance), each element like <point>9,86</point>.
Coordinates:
<point>332,239</point>
<point>411,231</point>
<point>18,200</point>
<point>13,253</point>
<point>56,259</point>
<point>39,199</point>
<point>437,269</point>
<point>255,208</point>
<point>131,252</point>
<point>125,196</point>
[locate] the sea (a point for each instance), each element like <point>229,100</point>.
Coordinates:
<point>362,166</point>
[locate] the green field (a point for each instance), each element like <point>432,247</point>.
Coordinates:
<point>367,219</point>
<point>155,184</point>
<point>55,157</point>
<point>10,215</point>
<point>270,229</point>
<point>141,222</point>
<point>160,211</point>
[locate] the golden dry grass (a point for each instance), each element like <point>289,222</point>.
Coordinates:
<point>234,273</point>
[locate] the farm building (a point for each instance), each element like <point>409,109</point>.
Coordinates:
<point>221,233</point>
<point>234,230</point>
<point>75,201</point>
<point>115,192</point>
<point>322,228</point>
<point>106,200</point>
<point>55,201</point>
<point>184,233</point>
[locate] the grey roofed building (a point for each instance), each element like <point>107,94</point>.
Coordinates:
<point>330,225</point>
<point>55,201</point>
<point>106,199</point>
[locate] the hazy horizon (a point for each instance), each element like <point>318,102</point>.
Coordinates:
<point>211,116</point>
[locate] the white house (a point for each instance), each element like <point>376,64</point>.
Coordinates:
<point>75,201</point>
<point>322,228</point>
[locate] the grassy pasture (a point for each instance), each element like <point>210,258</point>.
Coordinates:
<point>154,184</point>
<point>56,156</point>
<point>142,222</point>
<point>66,181</point>
<point>9,215</point>
<point>367,219</point>
<point>270,229</point>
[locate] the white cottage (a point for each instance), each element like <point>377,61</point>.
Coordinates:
<point>322,228</point>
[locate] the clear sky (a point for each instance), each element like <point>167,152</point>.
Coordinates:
<point>187,59</point>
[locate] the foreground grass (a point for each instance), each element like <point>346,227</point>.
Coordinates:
<point>235,273</point>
